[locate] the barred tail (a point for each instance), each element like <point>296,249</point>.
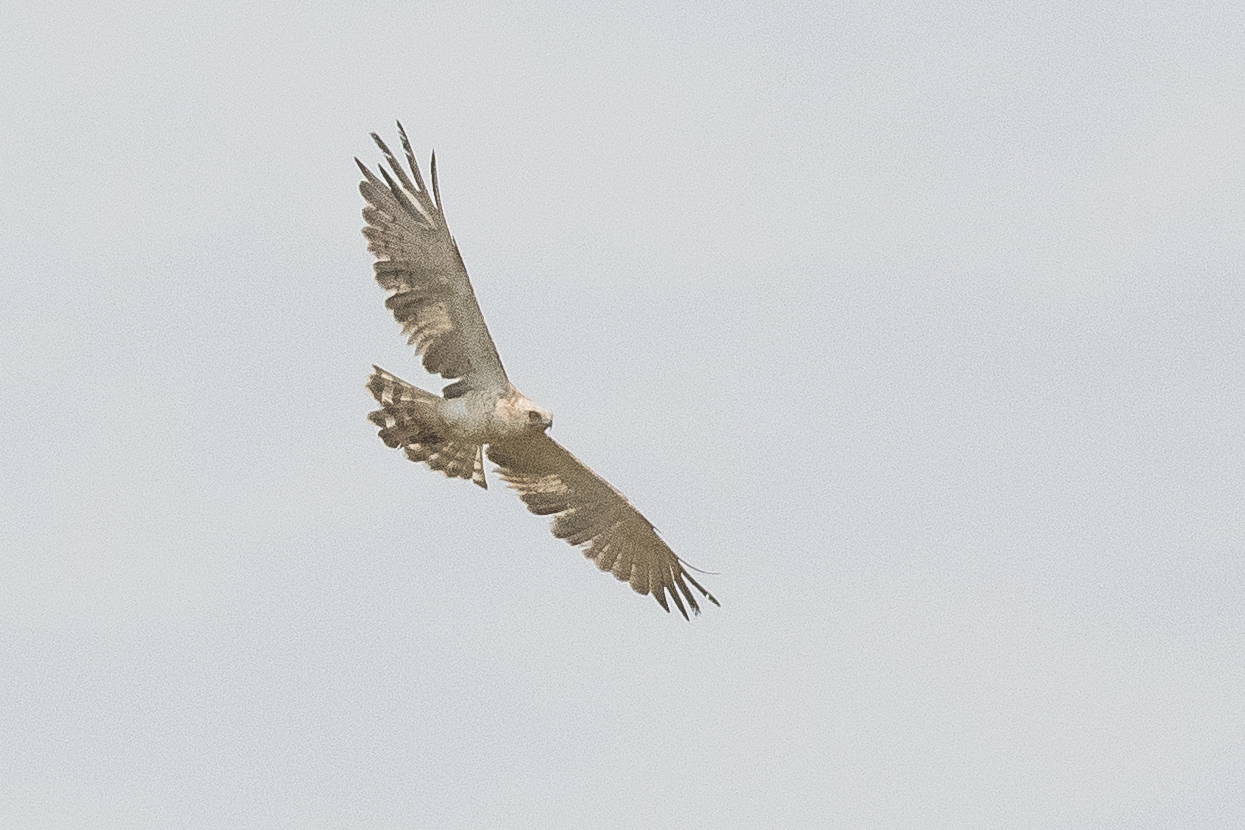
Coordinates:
<point>409,417</point>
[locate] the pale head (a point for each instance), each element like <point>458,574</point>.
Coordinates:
<point>538,418</point>
<point>520,414</point>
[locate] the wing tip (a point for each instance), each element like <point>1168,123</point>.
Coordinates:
<point>436,189</point>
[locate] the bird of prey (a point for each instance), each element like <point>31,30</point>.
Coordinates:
<point>418,263</point>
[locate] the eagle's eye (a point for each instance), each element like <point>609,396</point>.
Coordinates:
<point>533,416</point>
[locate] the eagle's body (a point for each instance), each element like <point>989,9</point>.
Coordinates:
<point>418,262</point>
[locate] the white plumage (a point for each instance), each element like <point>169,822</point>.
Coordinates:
<point>418,263</point>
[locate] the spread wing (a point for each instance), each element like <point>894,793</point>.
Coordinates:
<point>590,513</point>
<point>418,262</point>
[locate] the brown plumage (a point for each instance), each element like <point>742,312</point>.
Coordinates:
<point>430,295</point>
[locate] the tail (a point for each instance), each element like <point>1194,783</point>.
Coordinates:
<point>410,418</point>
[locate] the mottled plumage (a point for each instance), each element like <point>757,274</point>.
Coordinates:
<point>430,295</point>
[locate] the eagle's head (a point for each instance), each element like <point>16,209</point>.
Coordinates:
<point>538,418</point>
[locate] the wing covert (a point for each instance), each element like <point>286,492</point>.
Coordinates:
<point>591,514</point>
<point>418,262</point>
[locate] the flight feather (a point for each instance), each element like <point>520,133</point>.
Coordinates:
<point>418,263</point>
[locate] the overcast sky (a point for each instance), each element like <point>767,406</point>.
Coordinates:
<point>920,325</point>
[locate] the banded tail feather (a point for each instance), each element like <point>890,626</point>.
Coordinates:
<point>409,418</point>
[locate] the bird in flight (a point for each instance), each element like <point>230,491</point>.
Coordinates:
<point>418,263</point>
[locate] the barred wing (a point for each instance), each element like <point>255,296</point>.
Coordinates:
<point>590,513</point>
<point>418,262</point>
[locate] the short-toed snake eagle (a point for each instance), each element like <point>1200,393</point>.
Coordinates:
<point>418,263</point>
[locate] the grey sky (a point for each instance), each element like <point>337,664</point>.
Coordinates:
<point>919,323</point>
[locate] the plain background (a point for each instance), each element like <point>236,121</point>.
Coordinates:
<point>921,324</point>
